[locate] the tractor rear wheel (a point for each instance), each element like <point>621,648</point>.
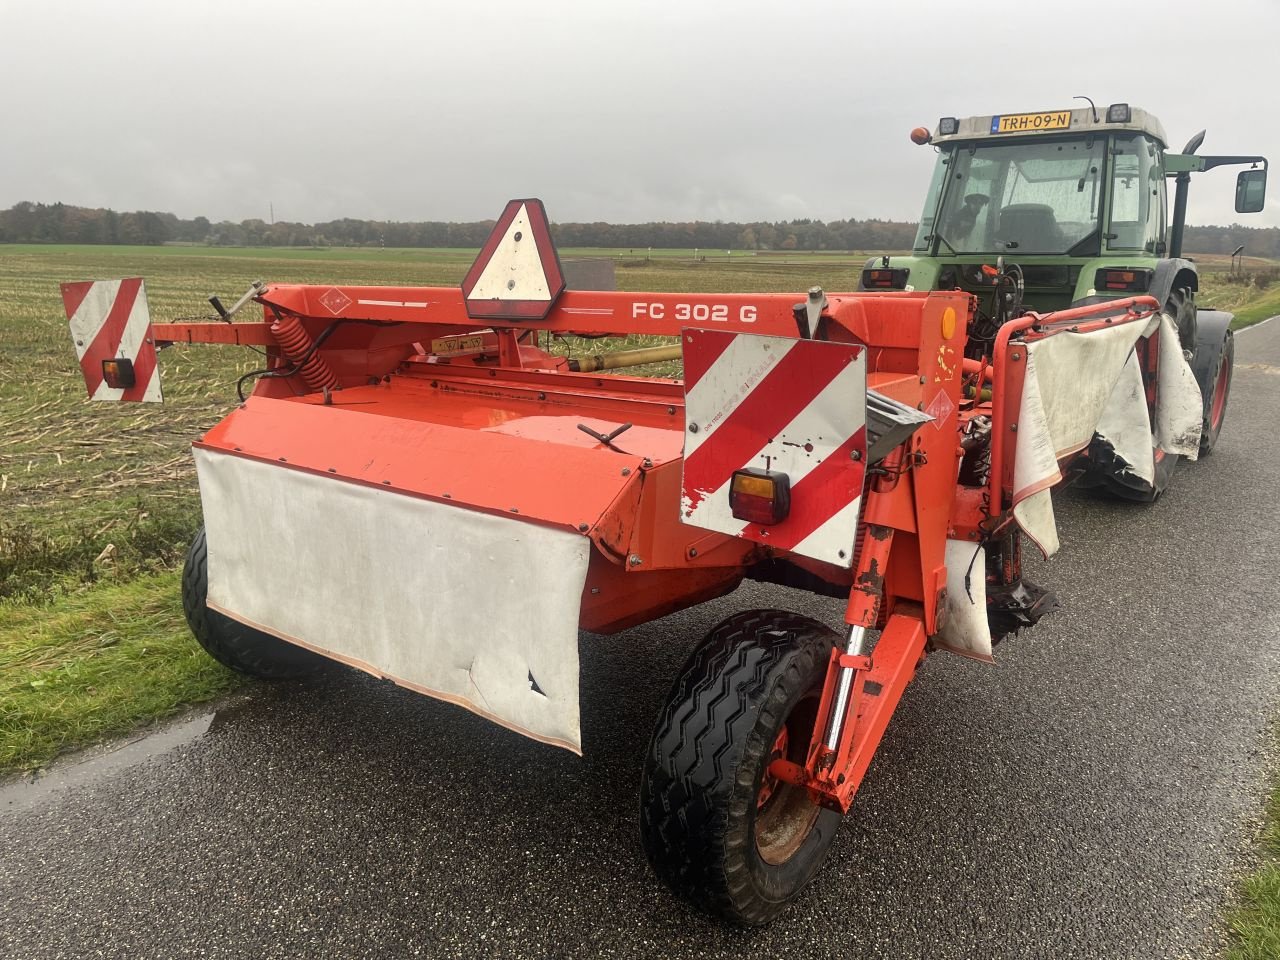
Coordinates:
<point>1216,408</point>
<point>717,828</point>
<point>231,643</point>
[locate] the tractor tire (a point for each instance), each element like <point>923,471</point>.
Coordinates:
<point>231,643</point>
<point>1217,406</point>
<point>1181,306</point>
<point>718,830</point>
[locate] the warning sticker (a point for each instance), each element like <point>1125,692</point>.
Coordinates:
<point>334,300</point>
<point>457,345</point>
<point>940,408</point>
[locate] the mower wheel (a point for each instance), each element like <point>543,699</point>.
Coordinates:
<point>718,829</point>
<point>231,643</point>
<point>1129,487</point>
<point>1216,410</point>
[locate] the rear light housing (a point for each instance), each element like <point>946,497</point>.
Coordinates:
<point>118,373</point>
<point>760,496</point>
<point>1122,280</point>
<point>885,278</point>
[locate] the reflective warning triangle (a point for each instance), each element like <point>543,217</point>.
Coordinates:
<point>517,275</point>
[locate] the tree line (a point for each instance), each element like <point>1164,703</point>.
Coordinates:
<point>63,223</point>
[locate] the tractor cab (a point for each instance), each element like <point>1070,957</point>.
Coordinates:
<point>1049,191</point>
<point>1077,199</point>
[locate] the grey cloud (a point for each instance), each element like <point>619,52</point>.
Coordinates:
<point>623,112</point>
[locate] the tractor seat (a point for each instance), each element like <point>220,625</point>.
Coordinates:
<point>1032,226</point>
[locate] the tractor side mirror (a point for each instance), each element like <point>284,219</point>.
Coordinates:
<point>1251,190</point>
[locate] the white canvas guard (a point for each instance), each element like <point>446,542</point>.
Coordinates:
<point>1126,424</point>
<point>1180,412</point>
<point>1080,384</point>
<point>464,606</point>
<point>966,630</point>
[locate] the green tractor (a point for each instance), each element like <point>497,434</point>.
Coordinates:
<point>1043,211</point>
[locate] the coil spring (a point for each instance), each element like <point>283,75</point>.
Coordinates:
<point>296,344</point>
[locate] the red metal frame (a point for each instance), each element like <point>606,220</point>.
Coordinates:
<point>1009,370</point>
<point>496,430</point>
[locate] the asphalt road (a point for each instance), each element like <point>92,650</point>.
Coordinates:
<point>1092,795</point>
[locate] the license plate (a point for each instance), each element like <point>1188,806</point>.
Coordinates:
<point>1022,122</point>
<point>453,346</point>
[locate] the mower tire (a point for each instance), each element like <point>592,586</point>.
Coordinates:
<point>1129,487</point>
<point>231,643</point>
<point>718,829</point>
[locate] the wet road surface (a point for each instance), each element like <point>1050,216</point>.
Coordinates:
<point>1091,795</point>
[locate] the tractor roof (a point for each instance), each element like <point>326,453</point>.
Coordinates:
<point>1015,125</point>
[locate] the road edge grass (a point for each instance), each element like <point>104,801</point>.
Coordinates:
<point>97,662</point>
<point>1262,309</point>
<point>1254,923</point>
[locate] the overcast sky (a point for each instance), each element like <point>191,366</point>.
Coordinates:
<point>619,111</point>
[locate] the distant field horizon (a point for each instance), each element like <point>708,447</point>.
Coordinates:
<point>464,255</point>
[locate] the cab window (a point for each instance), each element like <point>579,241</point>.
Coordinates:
<point>924,233</point>
<point>1023,197</point>
<point>1137,196</point>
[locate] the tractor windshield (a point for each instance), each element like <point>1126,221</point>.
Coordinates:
<point>1035,197</point>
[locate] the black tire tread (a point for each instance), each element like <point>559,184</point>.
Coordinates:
<point>703,747</point>
<point>231,643</point>
<point>1181,307</point>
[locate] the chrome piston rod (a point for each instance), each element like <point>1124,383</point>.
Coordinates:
<point>856,646</point>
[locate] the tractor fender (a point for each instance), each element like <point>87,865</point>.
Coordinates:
<point>1170,275</point>
<point>1212,328</point>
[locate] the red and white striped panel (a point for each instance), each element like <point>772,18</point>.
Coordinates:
<point>109,318</point>
<point>777,403</point>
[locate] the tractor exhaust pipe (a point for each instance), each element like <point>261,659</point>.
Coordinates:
<point>1182,183</point>
<point>624,358</point>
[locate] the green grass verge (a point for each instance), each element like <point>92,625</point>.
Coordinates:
<point>1252,298</point>
<point>96,662</point>
<point>1267,305</point>
<point>1255,925</point>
